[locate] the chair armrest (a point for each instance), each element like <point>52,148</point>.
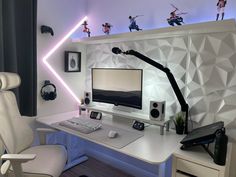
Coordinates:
<point>43,132</point>
<point>22,158</point>
<point>5,167</point>
<point>15,160</point>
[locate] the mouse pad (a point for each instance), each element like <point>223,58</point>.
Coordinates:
<point>123,138</point>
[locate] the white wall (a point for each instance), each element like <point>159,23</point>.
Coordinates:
<point>61,16</point>
<point>155,13</point>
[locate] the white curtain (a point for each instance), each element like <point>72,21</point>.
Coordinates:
<point>1,153</point>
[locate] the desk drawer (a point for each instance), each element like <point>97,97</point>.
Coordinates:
<point>181,175</point>
<point>196,169</point>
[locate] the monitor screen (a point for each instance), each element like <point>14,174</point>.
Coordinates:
<point>117,86</point>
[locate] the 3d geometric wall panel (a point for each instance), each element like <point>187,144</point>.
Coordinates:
<point>204,66</point>
<point>211,77</point>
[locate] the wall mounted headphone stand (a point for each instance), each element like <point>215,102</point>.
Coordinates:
<point>165,124</point>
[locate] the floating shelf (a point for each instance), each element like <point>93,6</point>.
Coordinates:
<point>198,28</point>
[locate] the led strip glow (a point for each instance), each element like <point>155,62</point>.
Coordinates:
<point>54,49</point>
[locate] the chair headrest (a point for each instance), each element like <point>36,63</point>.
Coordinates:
<point>9,80</point>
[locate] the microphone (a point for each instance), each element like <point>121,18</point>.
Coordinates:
<point>116,50</point>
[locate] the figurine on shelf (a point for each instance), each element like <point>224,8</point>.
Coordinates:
<point>175,18</point>
<point>220,9</point>
<point>133,24</point>
<point>86,29</point>
<point>106,28</point>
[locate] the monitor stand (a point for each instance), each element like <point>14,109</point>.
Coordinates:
<point>122,109</point>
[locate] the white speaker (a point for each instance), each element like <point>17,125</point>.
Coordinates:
<point>87,98</point>
<point>157,110</point>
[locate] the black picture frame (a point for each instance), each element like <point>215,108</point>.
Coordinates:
<point>72,61</point>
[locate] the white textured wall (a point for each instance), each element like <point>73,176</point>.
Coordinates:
<point>203,65</point>
<point>155,13</point>
<point>61,16</point>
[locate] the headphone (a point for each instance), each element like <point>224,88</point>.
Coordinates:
<point>48,95</point>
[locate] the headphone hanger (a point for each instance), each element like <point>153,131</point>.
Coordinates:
<point>47,82</point>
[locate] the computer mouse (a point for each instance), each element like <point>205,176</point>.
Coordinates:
<point>112,134</point>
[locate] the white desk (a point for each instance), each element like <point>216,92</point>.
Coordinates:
<point>152,147</point>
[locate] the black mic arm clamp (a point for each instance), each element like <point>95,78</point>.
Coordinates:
<point>174,85</point>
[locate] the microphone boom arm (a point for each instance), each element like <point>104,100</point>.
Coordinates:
<point>174,85</point>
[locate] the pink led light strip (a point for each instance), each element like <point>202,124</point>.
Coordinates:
<point>54,49</point>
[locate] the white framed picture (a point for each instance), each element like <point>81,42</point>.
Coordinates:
<point>72,61</point>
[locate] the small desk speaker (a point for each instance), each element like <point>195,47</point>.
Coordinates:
<point>157,110</point>
<point>87,98</point>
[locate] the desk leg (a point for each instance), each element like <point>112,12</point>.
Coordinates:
<point>173,170</point>
<point>83,109</point>
<point>167,126</point>
<point>162,130</point>
<point>164,169</point>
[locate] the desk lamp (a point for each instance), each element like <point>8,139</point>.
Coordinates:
<point>183,104</point>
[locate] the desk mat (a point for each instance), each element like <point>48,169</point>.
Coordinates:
<point>123,138</point>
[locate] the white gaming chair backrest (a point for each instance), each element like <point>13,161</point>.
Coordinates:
<point>16,135</point>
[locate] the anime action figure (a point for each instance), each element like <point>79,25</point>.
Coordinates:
<point>133,24</point>
<point>175,18</point>
<point>220,9</point>
<point>86,29</point>
<point>106,28</point>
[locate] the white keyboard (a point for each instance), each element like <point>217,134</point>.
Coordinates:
<point>83,125</point>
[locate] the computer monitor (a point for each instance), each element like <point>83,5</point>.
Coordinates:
<point>117,86</point>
